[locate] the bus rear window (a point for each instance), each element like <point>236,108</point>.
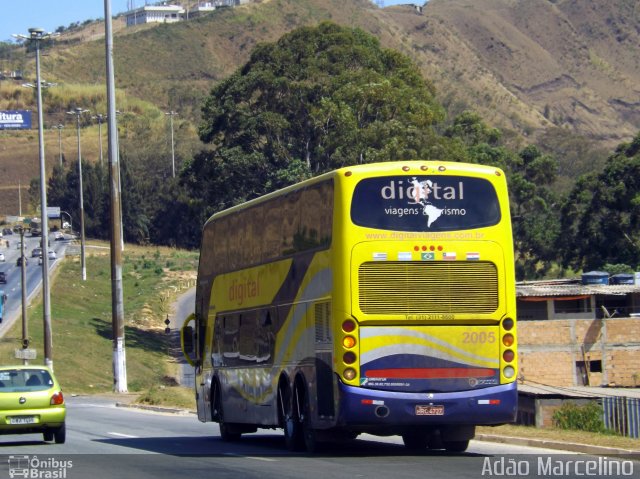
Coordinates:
<point>425,203</point>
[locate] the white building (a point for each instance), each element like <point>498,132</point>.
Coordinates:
<point>155,14</point>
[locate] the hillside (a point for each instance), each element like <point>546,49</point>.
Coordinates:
<point>563,73</point>
<point>525,65</point>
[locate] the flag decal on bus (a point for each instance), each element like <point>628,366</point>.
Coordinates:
<point>449,256</point>
<point>473,256</point>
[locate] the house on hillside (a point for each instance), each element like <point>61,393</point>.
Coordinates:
<point>154,14</point>
<point>579,332</point>
<point>165,13</point>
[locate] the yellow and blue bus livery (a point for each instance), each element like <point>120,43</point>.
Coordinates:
<point>376,298</point>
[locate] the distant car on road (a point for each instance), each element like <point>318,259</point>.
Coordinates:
<point>7,231</point>
<point>2,258</point>
<point>36,252</point>
<point>52,254</point>
<point>32,402</point>
<point>19,261</point>
<point>3,277</point>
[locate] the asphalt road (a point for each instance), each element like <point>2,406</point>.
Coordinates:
<point>184,306</point>
<point>108,441</point>
<point>13,288</point>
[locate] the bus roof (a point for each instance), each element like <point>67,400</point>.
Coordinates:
<point>397,167</point>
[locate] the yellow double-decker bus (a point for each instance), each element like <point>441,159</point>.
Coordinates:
<point>373,299</point>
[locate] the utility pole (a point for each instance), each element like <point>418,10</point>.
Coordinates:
<point>101,118</point>
<point>23,275</point>
<point>117,302</point>
<point>78,112</point>
<point>171,114</point>
<point>36,35</point>
<point>59,128</point>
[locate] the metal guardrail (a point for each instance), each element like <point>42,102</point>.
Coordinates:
<point>622,415</point>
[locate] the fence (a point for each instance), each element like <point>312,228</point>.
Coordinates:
<point>622,415</point>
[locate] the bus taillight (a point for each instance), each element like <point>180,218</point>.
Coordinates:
<point>508,355</point>
<point>507,340</point>
<point>348,342</point>
<point>349,357</point>
<point>349,374</point>
<point>348,325</point>
<point>507,324</point>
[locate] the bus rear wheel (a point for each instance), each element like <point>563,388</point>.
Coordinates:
<point>227,431</point>
<point>308,433</point>
<point>289,420</point>
<point>456,446</point>
<point>416,440</point>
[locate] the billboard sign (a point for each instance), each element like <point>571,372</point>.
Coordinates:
<point>53,212</point>
<point>15,119</point>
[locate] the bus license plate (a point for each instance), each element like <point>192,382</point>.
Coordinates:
<point>430,410</point>
<point>22,420</point>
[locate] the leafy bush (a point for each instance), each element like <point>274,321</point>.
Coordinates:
<point>582,418</point>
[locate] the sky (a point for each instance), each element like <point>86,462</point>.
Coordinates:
<point>51,14</point>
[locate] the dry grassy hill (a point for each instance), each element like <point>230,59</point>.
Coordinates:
<point>546,70</point>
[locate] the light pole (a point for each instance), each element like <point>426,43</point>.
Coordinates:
<point>78,113</point>
<point>117,302</point>
<point>23,276</point>
<point>101,118</point>
<point>59,127</point>
<point>36,35</point>
<point>171,114</point>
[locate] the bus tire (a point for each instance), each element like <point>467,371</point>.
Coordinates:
<point>416,440</point>
<point>456,446</point>
<point>227,431</point>
<point>215,400</point>
<point>288,419</point>
<point>308,433</point>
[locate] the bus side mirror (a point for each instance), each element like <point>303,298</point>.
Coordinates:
<point>187,341</point>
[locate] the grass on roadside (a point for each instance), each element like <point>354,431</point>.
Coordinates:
<point>81,318</point>
<point>562,435</point>
<point>169,396</point>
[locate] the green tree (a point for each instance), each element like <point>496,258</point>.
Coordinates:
<point>318,99</point>
<point>601,217</point>
<point>530,175</point>
<point>135,210</point>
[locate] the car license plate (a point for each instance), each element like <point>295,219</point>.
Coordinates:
<point>430,410</point>
<point>22,420</point>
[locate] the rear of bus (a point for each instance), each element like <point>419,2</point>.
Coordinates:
<point>427,323</point>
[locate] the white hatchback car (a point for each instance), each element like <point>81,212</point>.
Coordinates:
<point>2,258</point>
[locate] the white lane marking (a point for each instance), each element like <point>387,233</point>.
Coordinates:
<point>266,459</point>
<point>119,434</point>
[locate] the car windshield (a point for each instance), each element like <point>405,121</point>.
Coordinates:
<point>23,380</point>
